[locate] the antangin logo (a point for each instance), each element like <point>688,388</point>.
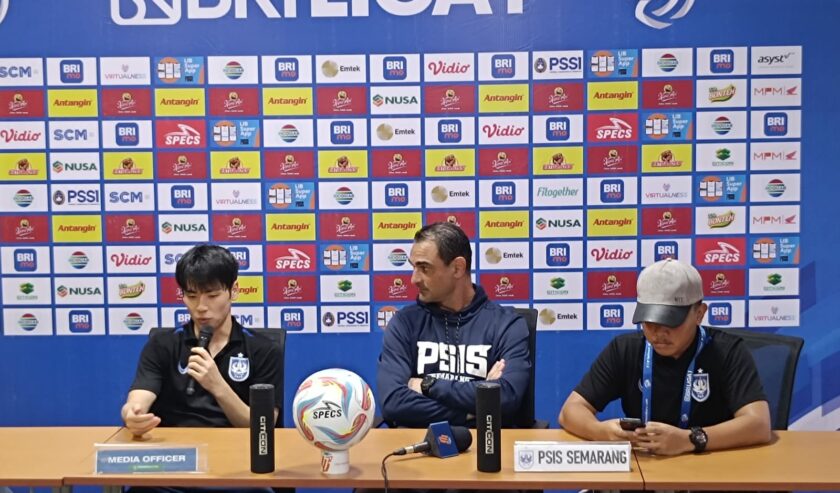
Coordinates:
<point>662,17</point>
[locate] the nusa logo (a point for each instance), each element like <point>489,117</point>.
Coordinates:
<point>341,132</point>
<point>612,316</point>
<point>394,68</point>
<point>291,319</point>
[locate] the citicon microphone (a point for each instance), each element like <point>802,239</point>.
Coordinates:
<point>262,427</point>
<point>441,441</point>
<point>488,426</point>
<point>204,336</point>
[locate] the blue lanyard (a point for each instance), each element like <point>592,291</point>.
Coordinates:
<point>647,381</point>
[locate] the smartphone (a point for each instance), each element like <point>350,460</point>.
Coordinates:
<point>630,424</point>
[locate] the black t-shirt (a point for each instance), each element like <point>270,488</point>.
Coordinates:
<point>248,358</point>
<point>733,381</point>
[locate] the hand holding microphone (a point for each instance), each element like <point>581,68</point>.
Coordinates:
<point>204,336</point>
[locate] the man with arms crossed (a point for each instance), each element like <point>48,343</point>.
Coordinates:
<point>724,405</point>
<point>436,352</point>
<point>235,359</point>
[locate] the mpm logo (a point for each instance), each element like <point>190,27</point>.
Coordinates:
<point>26,260</point>
<point>394,68</point>
<point>128,134</point>
<point>449,131</point>
<point>557,129</point>
<point>80,321</point>
<point>286,69</point>
<point>71,71</point>
<point>183,197</point>
<point>291,319</point>
<point>341,132</point>
<point>612,316</point>
<point>612,191</point>
<point>722,61</point>
<point>396,195</point>
<point>665,249</point>
<point>503,66</point>
<point>504,193</point>
<point>775,124</point>
<point>720,313</point>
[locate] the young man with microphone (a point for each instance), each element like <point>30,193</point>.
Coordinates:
<point>689,388</point>
<point>212,354</point>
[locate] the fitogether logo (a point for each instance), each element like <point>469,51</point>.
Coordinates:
<point>662,17</point>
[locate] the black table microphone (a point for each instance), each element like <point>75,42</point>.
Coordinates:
<point>204,336</point>
<point>262,427</point>
<point>488,426</point>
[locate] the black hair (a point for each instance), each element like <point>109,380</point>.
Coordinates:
<point>451,241</point>
<point>206,268</point>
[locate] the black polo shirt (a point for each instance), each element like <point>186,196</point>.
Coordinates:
<point>248,358</point>
<point>733,381</point>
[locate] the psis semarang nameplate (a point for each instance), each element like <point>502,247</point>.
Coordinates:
<point>571,456</point>
<point>136,458</point>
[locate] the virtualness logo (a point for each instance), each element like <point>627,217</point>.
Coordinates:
<point>660,18</point>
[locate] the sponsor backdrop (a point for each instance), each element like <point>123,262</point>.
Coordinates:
<point>573,144</point>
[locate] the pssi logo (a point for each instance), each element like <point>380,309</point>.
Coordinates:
<point>286,69</point>
<point>341,132</point>
<point>394,68</point>
<point>396,195</point>
<point>720,313</point>
<point>612,191</point>
<point>503,66</point>
<point>449,131</point>
<point>80,321</point>
<point>71,71</point>
<point>128,134</point>
<point>291,319</point>
<point>722,61</point>
<point>612,316</point>
<point>775,124</point>
<point>665,249</point>
<point>557,129</point>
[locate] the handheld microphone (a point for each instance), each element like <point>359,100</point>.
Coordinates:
<point>488,426</point>
<point>441,441</point>
<point>204,336</point>
<point>261,402</point>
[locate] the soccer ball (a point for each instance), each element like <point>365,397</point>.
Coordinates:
<point>334,409</point>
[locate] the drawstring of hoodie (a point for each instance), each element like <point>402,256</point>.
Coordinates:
<point>457,341</point>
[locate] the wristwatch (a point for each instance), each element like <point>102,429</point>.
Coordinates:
<point>426,384</point>
<point>699,438</point>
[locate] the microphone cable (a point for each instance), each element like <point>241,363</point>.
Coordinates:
<point>384,470</point>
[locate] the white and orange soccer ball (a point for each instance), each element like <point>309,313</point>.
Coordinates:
<point>334,409</point>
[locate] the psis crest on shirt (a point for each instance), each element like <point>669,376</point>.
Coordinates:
<point>700,386</point>
<point>239,368</point>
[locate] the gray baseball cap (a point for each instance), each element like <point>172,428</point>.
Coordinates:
<point>666,291</point>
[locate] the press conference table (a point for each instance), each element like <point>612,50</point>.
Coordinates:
<point>64,457</point>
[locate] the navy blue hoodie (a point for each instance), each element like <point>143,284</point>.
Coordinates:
<point>456,348</point>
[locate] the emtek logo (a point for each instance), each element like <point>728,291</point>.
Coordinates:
<point>71,71</point>
<point>396,195</point>
<point>504,193</point>
<point>183,197</point>
<point>26,260</point>
<point>128,134</point>
<point>81,321</point>
<point>557,254</point>
<point>612,316</point>
<point>394,68</point>
<point>291,319</point>
<point>722,61</point>
<point>720,313</point>
<point>666,249</point>
<point>449,131</point>
<point>341,132</point>
<point>286,69</point>
<point>503,66</point>
<point>612,191</point>
<point>557,129</point>
<point>775,124</point>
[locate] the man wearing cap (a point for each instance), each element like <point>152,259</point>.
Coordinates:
<point>694,388</point>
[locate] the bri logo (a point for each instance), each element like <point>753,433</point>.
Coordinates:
<point>449,131</point>
<point>720,313</point>
<point>665,249</point>
<point>775,124</point>
<point>612,316</point>
<point>71,71</point>
<point>722,61</point>
<point>286,69</point>
<point>503,66</point>
<point>341,132</point>
<point>394,68</point>
<point>80,321</point>
<point>291,319</point>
